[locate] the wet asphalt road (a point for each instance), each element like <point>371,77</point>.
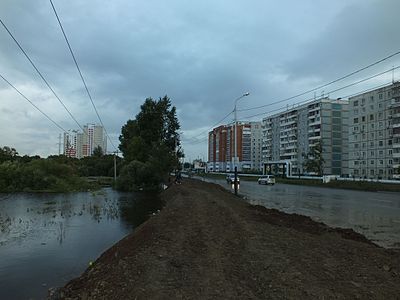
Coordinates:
<point>374,214</point>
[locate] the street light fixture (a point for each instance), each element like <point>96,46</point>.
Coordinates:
<point>235,157</point>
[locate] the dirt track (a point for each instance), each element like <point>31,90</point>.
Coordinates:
<point>208,244</point>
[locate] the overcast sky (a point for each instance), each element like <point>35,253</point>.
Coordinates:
<point>202,54</point>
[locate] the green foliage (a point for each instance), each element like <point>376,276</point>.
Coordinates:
<point>150,145</point>
<point>98,152</point>
<point>39,175</point>
<point>57,173</point>
<point>8,154</point>
<point>314,162</point>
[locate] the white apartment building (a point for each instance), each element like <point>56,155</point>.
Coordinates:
<point>288,136</point>
<point>256,142</point>
<point>78,144</point>
<point>374,133</point>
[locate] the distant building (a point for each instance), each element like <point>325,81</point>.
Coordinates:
<point>199,166</point>
<point>221,147</point>
<point>374,133</point>
<point>82,144</point>
<point>288,137</point>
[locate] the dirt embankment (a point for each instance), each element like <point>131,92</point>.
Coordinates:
<point>208,244</point>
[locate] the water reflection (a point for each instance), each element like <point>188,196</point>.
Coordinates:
<point>47,239</point>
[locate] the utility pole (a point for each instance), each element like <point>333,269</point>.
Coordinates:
<point>59,144</point>
<point>115,166</point>
<point>235,158</point>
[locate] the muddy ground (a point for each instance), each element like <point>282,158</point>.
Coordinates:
<point>208,244</point>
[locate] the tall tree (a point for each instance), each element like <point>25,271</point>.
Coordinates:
<point>7,153</point>
<point>98,152</point>
<point>314,162</point>
<point>150,144</point>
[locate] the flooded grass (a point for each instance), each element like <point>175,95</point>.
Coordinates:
<point>50,238</point>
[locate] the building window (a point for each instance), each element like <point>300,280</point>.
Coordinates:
<point>380,143</point>
<point>355,121</point>
<point>371,117</point>
<point>363,118</point>
<point>380,96</point>
<point>339,149</point>
<point>355,103</point>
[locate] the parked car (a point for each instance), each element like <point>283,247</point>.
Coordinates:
<point>267,179</point>
<point>230,178</point>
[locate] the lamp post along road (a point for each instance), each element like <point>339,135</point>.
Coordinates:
<point>235,159</point>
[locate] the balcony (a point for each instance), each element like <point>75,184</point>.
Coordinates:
<point>396,155</point>
<point>313,109</point>
<point>395,102</point>
<point>313,138</point>
<point>312,130</point>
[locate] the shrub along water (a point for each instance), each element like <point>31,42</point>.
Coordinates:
<point>52,174</point>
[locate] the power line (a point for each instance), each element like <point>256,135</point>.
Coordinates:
<point>80,73</point>
<point>40,74</point>
<point>310,100</point>
<point>297,103</point>
<point>206,131</point>
<point>326,84</point>
<point>304,101</point>
<point>33,104</point>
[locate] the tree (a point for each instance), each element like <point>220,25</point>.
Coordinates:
<point>150,145</point>
<point>314,162</point>
<point>7,153</point>
<point>98,152</point>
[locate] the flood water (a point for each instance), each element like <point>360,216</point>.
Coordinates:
<point>48,239</point>
<point>373,214</point>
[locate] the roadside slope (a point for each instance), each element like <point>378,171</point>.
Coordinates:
<point>207,243</point>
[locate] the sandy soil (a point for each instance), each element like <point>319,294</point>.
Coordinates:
<point>208,244</point>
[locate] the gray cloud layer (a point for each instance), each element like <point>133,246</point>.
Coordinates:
<point>203,54</point>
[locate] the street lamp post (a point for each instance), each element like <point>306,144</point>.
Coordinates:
<point>235,157</point>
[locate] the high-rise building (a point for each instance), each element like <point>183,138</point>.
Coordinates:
<point>288,137</point>
<point>221,147</point>
<point>93,137</point>
<point>374,133</point>
<point>78,144</point>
